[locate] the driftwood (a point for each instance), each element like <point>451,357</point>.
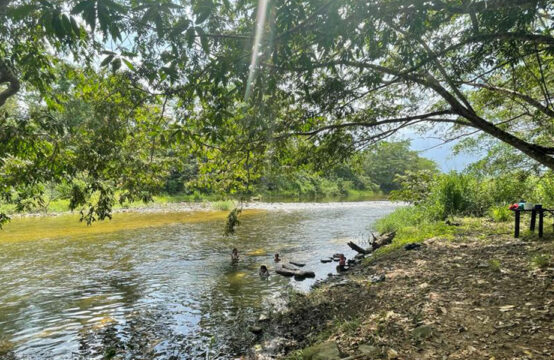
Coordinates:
<point>358,249</point>
<point>378,241</point>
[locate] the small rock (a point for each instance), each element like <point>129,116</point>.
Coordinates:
<point>423,285</point>
<point>326,260</point>
<point>377,278</point>
<point>263,317</point>
<point>461,329</point>
<point>392,354</point>
<point>256,330</point>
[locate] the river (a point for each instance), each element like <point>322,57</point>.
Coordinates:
<point>159,284</point>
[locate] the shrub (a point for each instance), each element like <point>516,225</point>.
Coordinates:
<point>500,213</point>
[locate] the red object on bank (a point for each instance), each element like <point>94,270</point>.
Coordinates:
<point>514,207</point>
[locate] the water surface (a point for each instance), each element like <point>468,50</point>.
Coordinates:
<point>159,285</point>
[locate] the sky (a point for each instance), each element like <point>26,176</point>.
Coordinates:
<point>442,155</point>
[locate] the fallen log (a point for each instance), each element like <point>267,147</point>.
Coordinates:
<point>378,241</point>
<point>357,248</point>
<point>382,240</point>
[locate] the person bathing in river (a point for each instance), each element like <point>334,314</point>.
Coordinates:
<point>276,258</point>
<point>235,255</point>
<point>342,263</point>
<point>264,273</point>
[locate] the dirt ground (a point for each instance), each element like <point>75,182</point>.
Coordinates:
<point>484,295</point>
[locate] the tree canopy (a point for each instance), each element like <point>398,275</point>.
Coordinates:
<point>247,84</point>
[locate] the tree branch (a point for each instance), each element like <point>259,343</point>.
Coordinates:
<point>7,76</point>
<point>528,99</point>
<point>423,117</point>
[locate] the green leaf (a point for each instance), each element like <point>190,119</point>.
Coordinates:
<point>107,60</point>
<point>189,36</point>
<point>21,12</point>
<point>203,40</point>
<point>129,64</point>
<point>87,9</point>
<point>116,64</point>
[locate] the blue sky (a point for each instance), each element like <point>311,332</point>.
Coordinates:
<point>442,155</point>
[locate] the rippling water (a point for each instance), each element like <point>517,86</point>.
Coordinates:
<point>158,285</point>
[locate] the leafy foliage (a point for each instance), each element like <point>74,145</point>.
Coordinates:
<point>104,94</point>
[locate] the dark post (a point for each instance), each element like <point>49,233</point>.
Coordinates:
<point>533,219</point>
<point>541,219</point>
<point>516,232</point>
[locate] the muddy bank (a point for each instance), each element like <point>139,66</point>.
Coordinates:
<point>484,295</point>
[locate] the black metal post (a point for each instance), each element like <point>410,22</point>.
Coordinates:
<point>533,219</point>
<point>541,222</point>
<point>516,231</point>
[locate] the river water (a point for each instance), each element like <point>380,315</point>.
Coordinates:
<point>159,285</point>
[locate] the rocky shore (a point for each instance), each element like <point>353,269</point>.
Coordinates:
<point>483,295</point>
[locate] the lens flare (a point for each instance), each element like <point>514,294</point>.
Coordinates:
<point>258,37</point>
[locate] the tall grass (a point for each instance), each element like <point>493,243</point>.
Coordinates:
<point>412,224</point>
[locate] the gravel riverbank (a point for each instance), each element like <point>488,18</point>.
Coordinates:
<point>483,295</point>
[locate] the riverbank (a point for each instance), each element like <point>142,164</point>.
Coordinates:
<point>187,203</point>
<point>475,293</point>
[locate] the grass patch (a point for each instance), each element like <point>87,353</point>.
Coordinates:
<point>401,218</point>
<point>223,205</point>
<point>494,265</point>
<point>541,261</point>
<point>417,234</point>
<point>412,225</point>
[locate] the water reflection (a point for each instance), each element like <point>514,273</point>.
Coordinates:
<point>161,291</point>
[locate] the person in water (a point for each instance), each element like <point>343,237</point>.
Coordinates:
<point>277,258</point>
<point>235,255</point>
<point>263,271</point>
<point>342,263</point>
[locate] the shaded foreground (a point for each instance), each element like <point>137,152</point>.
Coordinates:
<point>481,295</point>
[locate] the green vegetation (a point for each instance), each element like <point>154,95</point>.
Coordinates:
<point>541,261</point>
<point>351,180</point>
<point>446,196</point>
<point>494,265</point>
<point>119,101</point>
